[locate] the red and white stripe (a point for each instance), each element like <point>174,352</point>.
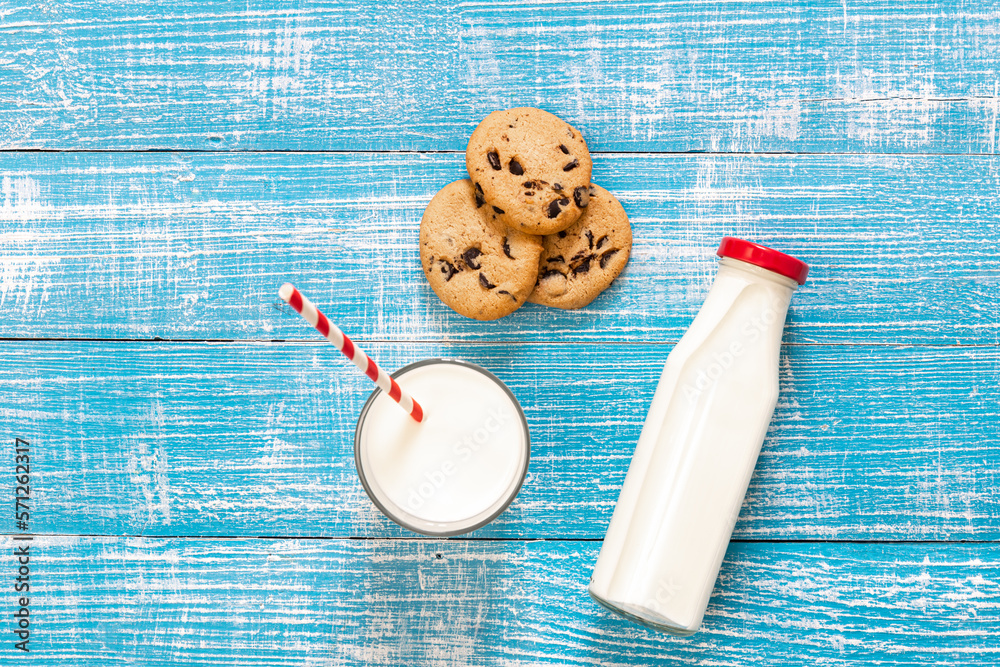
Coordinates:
<point>313,316</point>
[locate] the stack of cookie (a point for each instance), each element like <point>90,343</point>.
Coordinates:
<point>529,226</point>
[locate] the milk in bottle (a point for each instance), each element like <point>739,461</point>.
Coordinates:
<point>699,444</point>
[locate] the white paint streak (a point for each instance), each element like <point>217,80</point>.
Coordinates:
<point>21,268</point>
<point>778,119</point>
<point>148,471</point>
<point>993,118</point>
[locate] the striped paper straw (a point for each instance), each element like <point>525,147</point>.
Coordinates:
<point>307,310</point>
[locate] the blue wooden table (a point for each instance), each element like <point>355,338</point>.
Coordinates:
<point>193,499</point>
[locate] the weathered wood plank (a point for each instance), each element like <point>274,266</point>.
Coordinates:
<point>257,439</point>
<point>903,249</point>
<point>771,75</point>
<point>121,601</point>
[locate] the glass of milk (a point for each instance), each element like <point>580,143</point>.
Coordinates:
<point>460,467</point>
<point>699,445</point>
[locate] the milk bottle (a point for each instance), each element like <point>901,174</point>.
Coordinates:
<point>699,444</point>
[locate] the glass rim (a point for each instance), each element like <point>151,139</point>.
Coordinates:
<point>463,529</point>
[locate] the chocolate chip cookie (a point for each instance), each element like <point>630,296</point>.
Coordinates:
<point>580,262</point>
<point>531,168</point>
<point>475,264</point>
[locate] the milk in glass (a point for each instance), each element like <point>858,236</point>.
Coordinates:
<point>457,469</point>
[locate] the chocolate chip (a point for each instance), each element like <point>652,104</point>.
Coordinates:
<point>606,257</point>
<point>601,241</point>
<point>562,234</point>
<point>479,196</point>
<point>557,258</point>
<point>572,165</point>
<point>471,257</point>
<point>556,207</point>
<point>499,211</point>
<point>583,266</point>
<point>529,194</point>
<point>448,269</point>
<point>579,255</point>
<point>590,238</point>
<point>581,196</point>
<point>564,149</point>
<point>484,281</point>
<point>530,185</point>
<point>515,167</point>
<point>506,248</point>
<point>557,186</point>
<point>503,291</point>
<point>549,273</point>
<point>494,159</point>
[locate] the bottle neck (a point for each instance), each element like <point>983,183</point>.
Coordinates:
<point>758,298</point>
<point>728,263</point>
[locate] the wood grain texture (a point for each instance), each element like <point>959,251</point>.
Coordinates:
<point>871,76</point>
<point>257,439</point>
<point>902,249</point>
<point>126,601</point>
<point>157,465</point>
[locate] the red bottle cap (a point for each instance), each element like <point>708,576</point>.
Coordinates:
<point>764,257</point>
